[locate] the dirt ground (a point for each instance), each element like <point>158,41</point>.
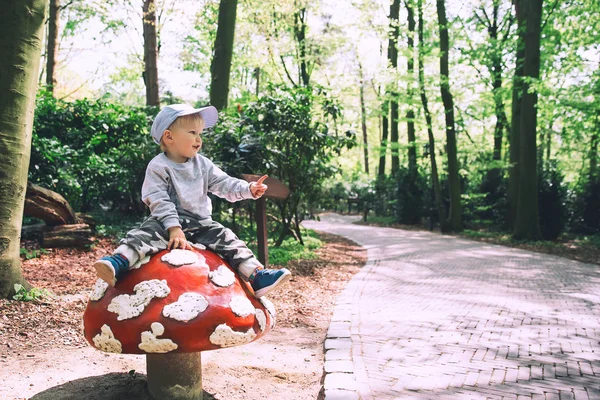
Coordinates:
<point>44,356</point>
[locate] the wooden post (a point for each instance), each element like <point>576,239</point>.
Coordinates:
<point>261,230</point>
<point>276,190</point>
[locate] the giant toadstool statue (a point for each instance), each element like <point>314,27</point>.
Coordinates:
<point>179,303</point>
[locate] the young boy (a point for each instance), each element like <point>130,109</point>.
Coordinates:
<point>175,189</point>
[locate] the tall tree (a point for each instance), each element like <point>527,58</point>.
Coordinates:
<point>52,46</point>
<point>363,116</point>
<point>393,58</point>
<point>437,190</point>
<point>300,27</point>
<point>220,67</point>
<point>515,125</point>
<point>454,215</point>
<point>21,31</point>
<point>498,29</point>
<point>527,223</point>
<point>150,73</point>
<point>410,114</point>
<point>385,111</point>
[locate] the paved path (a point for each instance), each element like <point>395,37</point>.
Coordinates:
<point>436,317</point>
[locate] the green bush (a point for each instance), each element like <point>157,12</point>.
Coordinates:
<point>91,152</point>
<point>411,190</point>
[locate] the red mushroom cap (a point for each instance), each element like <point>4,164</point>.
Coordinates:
<point>179,301</point>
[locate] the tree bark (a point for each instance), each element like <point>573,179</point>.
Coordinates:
<point>363,114</point>
<point>437,190</point>
<point>527,223</point>
<point>515,127</point>
<point>150,53</point>
<point>496,73</point>
<point>300,33</point>
<point>52,46</point>
<point>410,114</point>
<point>220,67</point>
<point>594,143</point>
<point>393,58</point>
<point>385,107</point>
<point>454,215</point>
<point>21,31</point>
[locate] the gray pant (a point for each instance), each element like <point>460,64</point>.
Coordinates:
<point>152,237</point>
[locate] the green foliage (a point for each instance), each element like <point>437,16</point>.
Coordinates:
<point>291,249</point>
<point>91,152</point>
<point>276,135</point>
<point>114,224</point>
<point>34,253</point>
<point>34,294</point>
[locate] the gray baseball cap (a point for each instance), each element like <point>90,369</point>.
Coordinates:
<point>170,113</point>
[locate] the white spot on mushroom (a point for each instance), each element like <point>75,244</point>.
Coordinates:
<point>224,336</point>
<point>270,308</point>
<point>141,262</point>
<point>261,318</point>
<point>179,257</point>
<point>241,306</point>
<point>98,290</point>
<point>199,246</point>
<point>222,276</point>
<point>106,341</point>
<point>130,306</point>
<point>150,343</point>
<point>187,307</point>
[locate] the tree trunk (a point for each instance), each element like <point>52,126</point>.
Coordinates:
<point>300,33</point>
<point>527,223</point>
<point>410,115</point>
<point>496,73</point>
<point>220,67</point>
<point>454,215</point>
<point>393,58</point>
<point>437,190</point>
<point>385,108</point>
<point>75,235</point>
<point>363,114</point>
<point>52,47</point>
<point>512,192</point>
<point>21,32</point>
<point>150,54</point>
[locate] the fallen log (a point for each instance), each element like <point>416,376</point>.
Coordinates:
<point>48,206</point>
<point>72,235</point>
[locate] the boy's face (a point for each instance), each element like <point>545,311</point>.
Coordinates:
<point>184,140</point>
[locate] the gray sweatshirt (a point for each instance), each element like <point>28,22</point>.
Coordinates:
<point>170,186</point>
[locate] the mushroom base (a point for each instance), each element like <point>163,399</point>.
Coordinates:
<point>175,376</point>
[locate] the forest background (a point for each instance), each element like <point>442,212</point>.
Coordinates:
<point>480,116</point>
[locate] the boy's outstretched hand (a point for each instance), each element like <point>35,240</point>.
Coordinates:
<point>258,188</point>
<point>177,239</point>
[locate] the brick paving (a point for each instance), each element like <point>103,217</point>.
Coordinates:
<point>438,317</point>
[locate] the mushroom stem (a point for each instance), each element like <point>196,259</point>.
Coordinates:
<point>174,376</point>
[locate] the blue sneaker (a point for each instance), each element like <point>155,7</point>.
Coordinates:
<point>266,280</point>
<point>111,268</point>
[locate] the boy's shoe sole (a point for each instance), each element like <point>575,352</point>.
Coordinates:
<point>283,278</point>
<point>106,272</point>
